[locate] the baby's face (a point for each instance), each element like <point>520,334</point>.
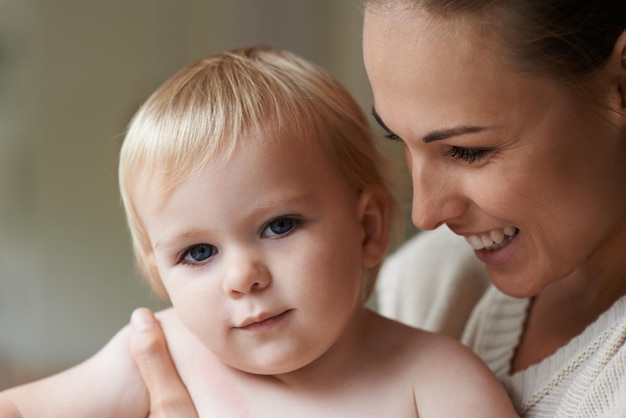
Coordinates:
<point>262,255</point>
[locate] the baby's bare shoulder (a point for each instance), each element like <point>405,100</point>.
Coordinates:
<point>448,379</point>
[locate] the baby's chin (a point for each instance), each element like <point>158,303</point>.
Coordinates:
<point>273,366</point>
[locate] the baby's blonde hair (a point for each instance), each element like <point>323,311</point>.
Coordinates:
<point>256,93</point>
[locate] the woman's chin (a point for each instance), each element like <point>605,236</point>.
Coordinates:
<point>515,285</point>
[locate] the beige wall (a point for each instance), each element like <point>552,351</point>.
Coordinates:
<point>71,74</point>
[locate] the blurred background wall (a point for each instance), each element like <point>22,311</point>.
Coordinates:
<point>72,72</point>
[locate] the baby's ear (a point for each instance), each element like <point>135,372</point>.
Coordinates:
<point>150,271</point>
<point>374,207</point>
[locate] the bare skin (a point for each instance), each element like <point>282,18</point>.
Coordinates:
<point>335,357</point>
<point>217,390</point>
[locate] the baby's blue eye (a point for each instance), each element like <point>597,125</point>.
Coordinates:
<point>279,226</point>
<point>199,253</point>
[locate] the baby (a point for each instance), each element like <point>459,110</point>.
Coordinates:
<point>258,205</point>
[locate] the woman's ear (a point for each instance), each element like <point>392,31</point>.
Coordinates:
<point>620,53</point>
<point>374,208</point>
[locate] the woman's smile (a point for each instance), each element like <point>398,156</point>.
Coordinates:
<point>492,240</point>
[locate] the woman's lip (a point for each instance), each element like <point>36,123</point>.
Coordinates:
<point>262,320</point>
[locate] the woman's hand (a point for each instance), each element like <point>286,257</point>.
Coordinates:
<point>168,395</point>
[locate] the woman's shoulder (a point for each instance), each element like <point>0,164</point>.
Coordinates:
<point>587,369</point>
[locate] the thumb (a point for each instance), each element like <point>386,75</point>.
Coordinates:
<point>168,395</point>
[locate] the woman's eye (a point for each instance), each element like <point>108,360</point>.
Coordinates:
<point>198,253</point>
<point>393,137</point>
<point>280,226</point>
<point>469,155</point>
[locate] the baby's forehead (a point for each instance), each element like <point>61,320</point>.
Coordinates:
<point>168,169</point>
<point>278,167</point>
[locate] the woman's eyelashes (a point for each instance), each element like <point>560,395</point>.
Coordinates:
<point>469,155</point>
<point>393,137</point>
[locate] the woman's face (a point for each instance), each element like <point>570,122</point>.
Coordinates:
<point>531,175</point>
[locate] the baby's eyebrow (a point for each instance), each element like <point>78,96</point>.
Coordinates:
<point>278,201</point>
<point>172,240</point>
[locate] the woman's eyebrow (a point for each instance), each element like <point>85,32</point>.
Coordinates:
<point>435,135</point>
<point>380,121</point>
<point>452,132</point>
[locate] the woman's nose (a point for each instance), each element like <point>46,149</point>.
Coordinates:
<point>245,274</point>
<point>436,196</point>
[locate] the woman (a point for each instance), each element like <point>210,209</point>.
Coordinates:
<point>514,130</point>
<point>512,115</point>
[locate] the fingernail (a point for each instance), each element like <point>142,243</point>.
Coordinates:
<point>141,319</point>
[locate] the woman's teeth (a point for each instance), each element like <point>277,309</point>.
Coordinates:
<point>494,240</point>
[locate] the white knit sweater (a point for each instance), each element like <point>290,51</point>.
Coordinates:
<point>585,378</point>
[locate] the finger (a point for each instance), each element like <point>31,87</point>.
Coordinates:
<point>168,395</point>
